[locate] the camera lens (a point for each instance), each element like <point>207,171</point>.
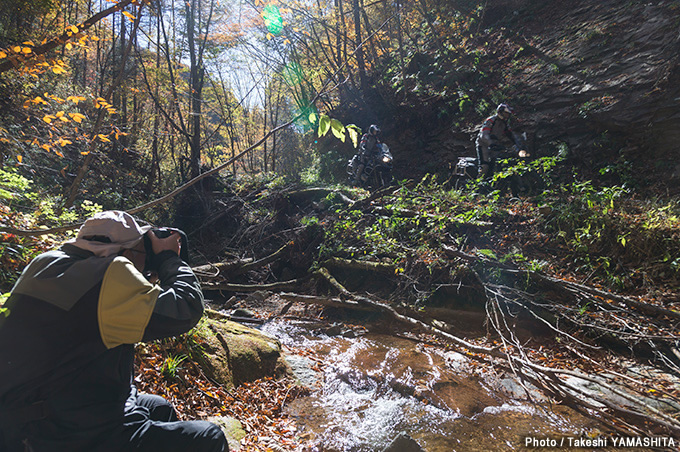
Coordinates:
<point>162,233</point>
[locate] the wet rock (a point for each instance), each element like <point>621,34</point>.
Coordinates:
<point>333,330</point>
<point>234,354</point>
<point>256,298</point>
<point>243,312</point>
<point>302,369</point>
<point>403,443</point>
<point>232,429</point>
<point>349,334</point>
<point>597,390</point>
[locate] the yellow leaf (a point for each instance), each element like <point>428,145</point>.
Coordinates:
<point>48,118</point>
<point>128,15</point>
<point>85,153</point>
<point>26,50</point>
<point>20,158</point>
<point>75,99</point>
<point>77,117</point>
<point>46,147</point>
<point>74,29</point>
<point>16,49</point>
<point>28,43</point>
<point>64,119</point>
<point>94,38</point>
<point>103,138</point>
<point>69,46</point>
<point>58,153</point>
<point>58,70</point>
<point>2,55</point>
<point>59,114</point>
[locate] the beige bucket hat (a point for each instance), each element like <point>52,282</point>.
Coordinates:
<point>109,232</point>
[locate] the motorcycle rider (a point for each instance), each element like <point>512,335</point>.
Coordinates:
<point>492,132</point>
<point>369,147</point>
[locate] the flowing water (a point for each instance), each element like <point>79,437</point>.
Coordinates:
<point>367,390</point>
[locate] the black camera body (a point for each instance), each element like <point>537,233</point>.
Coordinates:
<point>163,233</point>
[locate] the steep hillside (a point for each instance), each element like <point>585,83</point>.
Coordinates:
<point>600,77</point>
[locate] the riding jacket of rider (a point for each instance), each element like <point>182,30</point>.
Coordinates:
<point>67,343</point>
<point>493,128</point>
<point>369,145</point>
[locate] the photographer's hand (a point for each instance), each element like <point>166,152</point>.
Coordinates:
<point>172,243</point>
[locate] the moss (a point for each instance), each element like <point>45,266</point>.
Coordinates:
<point>235,354</point>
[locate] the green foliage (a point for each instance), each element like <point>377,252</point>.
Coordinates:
<point>4,312</point>
<point>339,130</point>
<point>607,236</point>
<point>12,184</point>
<point>171,366</point>
<point>311,175</point>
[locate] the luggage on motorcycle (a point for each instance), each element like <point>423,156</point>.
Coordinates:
<point>466,167</point>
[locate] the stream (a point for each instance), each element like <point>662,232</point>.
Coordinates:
<point>369,388</point>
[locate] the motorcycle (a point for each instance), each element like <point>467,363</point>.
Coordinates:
<point>377,171</point>
<point>510,172</point>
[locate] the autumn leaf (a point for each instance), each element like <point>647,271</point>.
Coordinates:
<point>77,117</point>
<point>75,99</point>
<point>20,158</point>
<point>48,118</point>
<point>129,15</point>
<point>2,55</point>
<point>103,138</point>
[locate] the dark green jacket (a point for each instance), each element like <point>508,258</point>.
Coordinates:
<point>67,343</point>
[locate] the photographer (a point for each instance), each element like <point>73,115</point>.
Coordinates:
<point>67,344</point>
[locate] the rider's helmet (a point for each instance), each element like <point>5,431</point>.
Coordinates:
<point>504,111</point>
<point>374,130</point>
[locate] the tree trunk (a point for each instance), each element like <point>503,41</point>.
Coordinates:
<point>360,51</point>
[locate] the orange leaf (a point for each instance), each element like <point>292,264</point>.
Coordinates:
<point>20,158</point>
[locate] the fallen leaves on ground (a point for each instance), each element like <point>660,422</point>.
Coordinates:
<point>258,405</point>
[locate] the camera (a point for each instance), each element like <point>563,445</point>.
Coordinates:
<point>163,233</point>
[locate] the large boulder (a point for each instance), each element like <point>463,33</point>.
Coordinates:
<point>234,354</point>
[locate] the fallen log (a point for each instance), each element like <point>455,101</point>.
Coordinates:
<point>282,285</point>
<point>304,196</point>
<point>239,267</point>
<point>352,264</point>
